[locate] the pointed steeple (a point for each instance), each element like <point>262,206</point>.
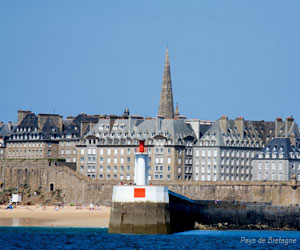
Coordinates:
<point>176,114</point>
<point>166,107</point>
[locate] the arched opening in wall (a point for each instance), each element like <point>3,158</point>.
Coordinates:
<point>51,187</point>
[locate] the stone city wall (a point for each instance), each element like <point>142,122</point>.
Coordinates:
<point>76,188</point>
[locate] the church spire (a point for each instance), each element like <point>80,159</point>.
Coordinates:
<point>166,107</point>
<point>176,111</point>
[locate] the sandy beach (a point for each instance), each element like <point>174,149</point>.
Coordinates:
<point>68,216</point>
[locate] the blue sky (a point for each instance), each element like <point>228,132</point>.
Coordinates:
<point>234,58</point>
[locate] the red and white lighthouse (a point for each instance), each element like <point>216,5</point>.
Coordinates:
<point>141,166</point>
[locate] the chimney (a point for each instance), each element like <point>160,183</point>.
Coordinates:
<point>288,124</point>
<point>239,123</point>
<point>22,114</point>
<point>9,125</point>
<point>223,123</point>
<point>112,119</point>
<point>159,119</point>
<point>278,126</point>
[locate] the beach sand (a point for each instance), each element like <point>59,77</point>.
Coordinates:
<point>68,216</point>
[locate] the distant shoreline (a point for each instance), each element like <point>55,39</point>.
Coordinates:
<point>37,216</point>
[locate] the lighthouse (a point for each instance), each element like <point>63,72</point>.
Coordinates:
<point>140,208</point>
<point>141,166</point>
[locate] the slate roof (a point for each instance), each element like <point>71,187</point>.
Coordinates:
<point>73,127</point>
<point>28,128</point>
<point>5,130</point>
<point>254,132</point>
<point>281,148</point>
<point>142,129</point>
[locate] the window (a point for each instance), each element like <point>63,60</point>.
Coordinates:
<point>203,152</point>
<point>122,151</point>
<point>259,176</point>
<point>108,160</point>
<point>273,175</point>
<point>115,160</point>
<point>81,169</point>
<point>128,168</point>
<point>115,177</point>
<point>108,168</point>
<point>169,168</point>
<point>215,152</point>
<point>128,150</point>
<point>101,151</point>
<point>108,177</point>
<point>115,168</point>
<point>267,165</point>
<point>169,160</point>
<point>101,169</point>
<point>259,165</point>
<point>101,176</point>
<point>82,159</point>
<point>108,151</point>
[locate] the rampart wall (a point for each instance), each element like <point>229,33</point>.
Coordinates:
<point>76,188</point>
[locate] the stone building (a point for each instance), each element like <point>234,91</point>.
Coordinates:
<point>226,150</point>
<point>107,151</point>
<point>35,136</point>
<point>277,161</point>
<point>6,130</point>
<point>74,128</point>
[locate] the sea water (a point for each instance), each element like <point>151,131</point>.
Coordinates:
<point>95,238</point>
